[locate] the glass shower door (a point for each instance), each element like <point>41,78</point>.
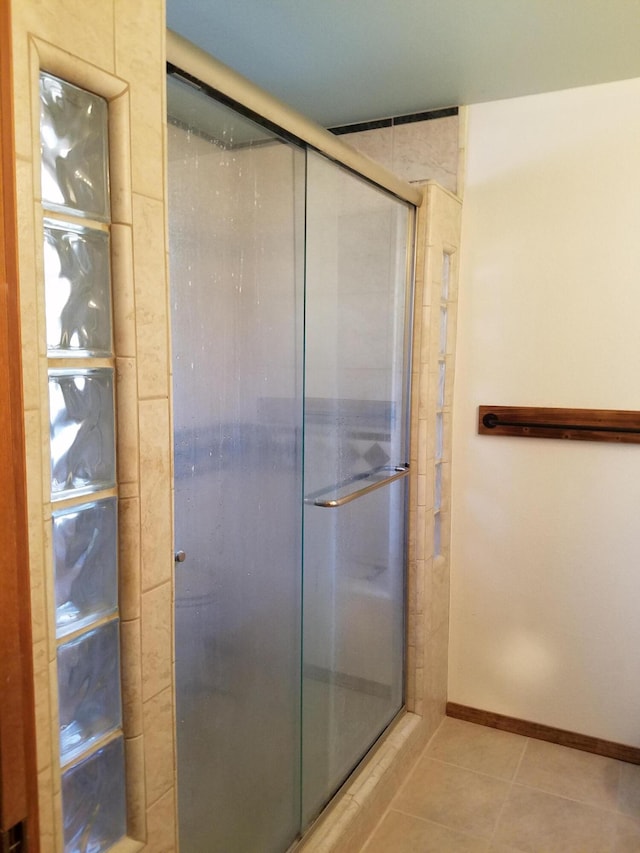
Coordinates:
<point>236,212</point>
<point>356,360</point>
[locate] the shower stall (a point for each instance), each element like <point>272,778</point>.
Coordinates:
<point>291,304</point>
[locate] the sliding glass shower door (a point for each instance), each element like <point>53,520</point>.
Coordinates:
<point>236,209</point>
<point>355,464</point>
<point>290,357</point>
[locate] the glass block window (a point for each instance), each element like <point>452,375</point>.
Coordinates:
<point>77,280</point>
<point>85,544</point>
<point>74,145</point>
<point>82,419</point>
<point>445,273</point>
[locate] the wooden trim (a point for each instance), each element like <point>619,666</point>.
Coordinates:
<point>608,748</point>
<point>18,781</point>
<point>615,425</point>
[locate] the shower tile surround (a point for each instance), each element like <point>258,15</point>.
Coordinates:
<point>101,49</point>
<point>98,48</point>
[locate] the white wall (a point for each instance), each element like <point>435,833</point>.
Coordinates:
<point>545,617</point>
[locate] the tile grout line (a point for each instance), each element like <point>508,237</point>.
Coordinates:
<point>429,820</point>
<point>512,782</point>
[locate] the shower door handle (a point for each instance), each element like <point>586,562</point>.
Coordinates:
<point>400,472</point>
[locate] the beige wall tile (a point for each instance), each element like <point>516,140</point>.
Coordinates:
<point>155,494</point>
<point>42,707</point>
<point>84,30</point>
<point>151,297</point>
<point>136,791</point>
<point>143,61</point>
<point>427,150</point>
<point>129,587</point>
<point>124,321</point>
<point>131,664</point>
<point>158,724</point>
<point>439,593</point>
<point>45,810</point>
<point>55,721</point>
<point>161,824</point>
<point>120,160</point>
<point>23,106</point>
<point>34,474</point>
<point>31,333</point>
<point>157,617</point>
<point>127,420</point>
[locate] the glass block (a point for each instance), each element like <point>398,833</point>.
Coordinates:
<point>446,273</point>
<point>81,410</point>
<point>439,435</point>
<point>85,548</point>
<point>89,688</point>
<point>442,349</point>
<point>77,290</point>
<point>73,140</point>
<point>93,801</point>
<point>437,497</point>
<point>442,376</point>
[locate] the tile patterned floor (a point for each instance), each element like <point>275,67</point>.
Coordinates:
<point>479,790</point>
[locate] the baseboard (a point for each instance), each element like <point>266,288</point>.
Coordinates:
<point>608,748</point>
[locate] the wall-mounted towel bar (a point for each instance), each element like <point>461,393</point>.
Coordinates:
<point>572,424</point>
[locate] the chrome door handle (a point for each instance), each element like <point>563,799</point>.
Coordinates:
<point>179,557</point>
<point>399,472</point>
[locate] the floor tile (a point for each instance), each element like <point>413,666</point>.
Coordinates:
<point>453,796</point>
<point>570,773</point>
<point>537,822</point>
<point>478,748</point>
<point>627,839</point>
<point>401,833</point>
<point>629,794</point>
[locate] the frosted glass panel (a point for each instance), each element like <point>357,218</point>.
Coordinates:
<point>356,302</point>
<point>85,548</point>
<point>89,688</point>
<point>81,410</point>
<point>77,290</point>
<point>93,801</point>
<point>355,424</point>
<point>73,138</point>
<point>236,231</point>
<point>353,635</point>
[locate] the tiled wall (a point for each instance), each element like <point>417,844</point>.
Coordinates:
<point>438,232</point>
<point>99,46</point>
<point>426,150</point>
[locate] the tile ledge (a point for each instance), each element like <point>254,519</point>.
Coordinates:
<point>127,845</point>
<point>346,815</point>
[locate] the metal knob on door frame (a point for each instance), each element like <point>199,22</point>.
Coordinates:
<point>179,557</point>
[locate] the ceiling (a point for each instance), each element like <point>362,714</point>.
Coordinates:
<point>344,61</point>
